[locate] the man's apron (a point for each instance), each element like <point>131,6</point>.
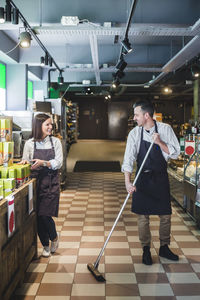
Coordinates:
<point>153,195</point>
<point>48,188</point>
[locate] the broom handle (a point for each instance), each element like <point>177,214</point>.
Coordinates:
<point>122,208</point>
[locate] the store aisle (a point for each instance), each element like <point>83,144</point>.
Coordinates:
<point>88,208</point>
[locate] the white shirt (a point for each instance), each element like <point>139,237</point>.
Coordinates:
<point>57,162</point>
<point>167,135</point>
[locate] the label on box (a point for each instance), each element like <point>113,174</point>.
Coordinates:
<point>11,214</point>
<point>30,198</point>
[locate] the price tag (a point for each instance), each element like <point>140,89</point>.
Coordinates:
<point>30,198</point>
<point>11,214</point>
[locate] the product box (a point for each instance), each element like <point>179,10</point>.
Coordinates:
<point>1,153</point>
<point>20,175</point>
<point>4,173</point>
<point>9,186</point>
<point>12,172</point>
<point>6,132</point>
<point>1,189</point>
<point>8,150</point>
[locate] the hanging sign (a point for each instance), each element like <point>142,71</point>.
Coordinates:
<point>189,147</point>
<point>11,214</point>
<point>30,198</point>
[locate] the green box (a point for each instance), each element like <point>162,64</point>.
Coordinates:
<point>9,186</point>
<point>4,172</point>
<point>12,173</point>
<point>1,190</point>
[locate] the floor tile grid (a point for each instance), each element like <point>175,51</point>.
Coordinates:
<point>121,279</point>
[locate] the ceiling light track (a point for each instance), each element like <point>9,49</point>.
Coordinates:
<point>28,28</point>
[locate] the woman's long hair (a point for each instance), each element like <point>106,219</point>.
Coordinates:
<point>38,120</point>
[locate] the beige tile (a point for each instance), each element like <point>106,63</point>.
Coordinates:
<point>52,298</point>
<point>183,278</point>
<point>71,233</point>
<point>182,260</point>
<point>87,238</point>
<point>185,238</point>
<point>122,298</point>
<point>196,267</point>
<point>69,245</point>
<point>158,289</point>
<point>87,251</point>
<point>62,259</point>
<point>29,289</point>
<point>73,223</point>
<point>120,278</point>
<point>88,290</point>
<point>118,259</point>
<point>37,267</point>
<point>93,228</point>
<point>116,233</point>
<point>190,251</point>
<point>58,278</point>
<point>118,245</point>
<point>139,251</point>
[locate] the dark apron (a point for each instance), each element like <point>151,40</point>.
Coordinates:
<point>48,187</point>
<point>153,195</point>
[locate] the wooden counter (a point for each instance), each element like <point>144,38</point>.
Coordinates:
<point>17,251</point>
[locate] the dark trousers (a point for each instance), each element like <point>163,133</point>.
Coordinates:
<point>46,229</point>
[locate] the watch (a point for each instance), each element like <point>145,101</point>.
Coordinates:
<point>44,164</point>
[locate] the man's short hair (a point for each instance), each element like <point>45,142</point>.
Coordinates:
<point>146,106</point>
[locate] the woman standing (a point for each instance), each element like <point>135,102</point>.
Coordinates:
<point>45,153</point>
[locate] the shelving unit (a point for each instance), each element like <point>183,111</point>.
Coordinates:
<point>72,123</point>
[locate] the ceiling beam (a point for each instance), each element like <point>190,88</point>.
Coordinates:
<point>95,57</point>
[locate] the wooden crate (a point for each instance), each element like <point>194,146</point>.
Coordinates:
<point>17,251</point>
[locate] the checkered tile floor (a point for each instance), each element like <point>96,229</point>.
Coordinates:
<point>88,208</point>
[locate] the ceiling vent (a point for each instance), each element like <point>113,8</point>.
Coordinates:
<point>70,21</point>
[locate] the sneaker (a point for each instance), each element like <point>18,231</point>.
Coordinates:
<point>146,258</point>
<point>54,245</point>
<point>167,253</point>
<point>46,251</point>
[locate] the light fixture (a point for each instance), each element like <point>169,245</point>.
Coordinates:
<point>15,15</point>
<point>60,78</point>
<point>42,61</point>
<point>25,39</point>
<point>2,18</point>
<point>46,59</point>
<point>126,46</point>
<point>121,65</point>
<point>8,11</point>
<point>195,69</point>
<point>115,83</point>
<point>167,90</point>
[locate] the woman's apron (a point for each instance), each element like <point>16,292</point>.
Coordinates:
<point>48,187</point>
<point>153,194</point>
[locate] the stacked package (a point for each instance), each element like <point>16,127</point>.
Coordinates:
<point>13,177</point>
<point>6,144</point>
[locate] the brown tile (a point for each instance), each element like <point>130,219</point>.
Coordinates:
<point>189,245</point>
<point>65,251</point>
<point>186,289</point>
<point>71,228</point>
<point>85,278</point>
<point>75,219</point>
<point>122,290</point>
<point>93,223</point>
<point>118,239</point>
<point>91,244</point>
<point>135,245</point>
<point>54,289</point>
<point>117,251</point>
<point>33,277</point>
<point>193,258</point>
<point>87,298</point>
<point>62,268</point>
<point>119,268</point>
<point>151,278</point>
<point>118,228</point>
<point>158,298</point>
<point>176,268</point>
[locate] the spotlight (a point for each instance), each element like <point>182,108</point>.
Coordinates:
<point>167,90</point>
<point>25,39</point>
<point>42,61</point>
<point>15,19</point>
<point>50,61</point>
<point>8,11</point>
<point>60,78</point>
<point>195,71</point>
<point>126,46</point>
<point>115,83</point>
<point>2,19</point>
<point>121,65</point>
<point>46,59</point>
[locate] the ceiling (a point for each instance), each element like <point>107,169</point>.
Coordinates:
<point>164,36</point>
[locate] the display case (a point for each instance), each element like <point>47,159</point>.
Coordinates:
<point>192,175</point>
<point>175,173</point>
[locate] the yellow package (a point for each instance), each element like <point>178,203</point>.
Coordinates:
<point>12,173</point>
<point>20,175</point>
<point>6,132</point>
<point>1,153</point>
<point>8,150</point>
<point>4,173</point>
<point>1,190</point>
<point>9,186</point>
